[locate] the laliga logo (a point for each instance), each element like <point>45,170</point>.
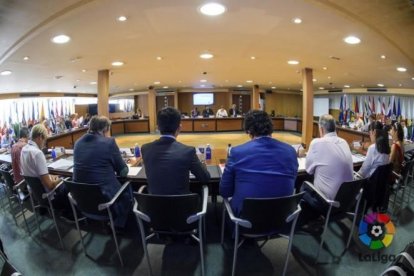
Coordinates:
<point>376,231</point>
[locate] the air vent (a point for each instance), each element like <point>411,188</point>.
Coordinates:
<point>164,90</point>
<point>245,90</point>
<point>377,89</point>
<point>29,95</point>
<point>70,95</point>
<point>335,90</point>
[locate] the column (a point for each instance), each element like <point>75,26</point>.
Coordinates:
<point>103,92</point>
<point>152,109</point>
<point>307,106</point>
<point>255,97</point>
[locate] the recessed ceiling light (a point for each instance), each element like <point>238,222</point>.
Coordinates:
<point>157,82</point>
<point>206,56</point>
<point>249,81</point>
<point>165,87</point>
<point>83,70</point>
<point>203,80</point>
<point>228,80</point>
<point>61,39</point>
<point>412,78</point>
<point>401,69</point>
<point>159,58</point>
<point>122,18</point>
<point>180,81</point>
<point>6,73</point>
<point>293,62</point>
<point>212,9</point>
<point>273,87</point>
<point>329,77</point>
<point>93,82</point>
<point>78,80</point>
<point>380,85</point>
<point>239,85</point>
<point>252,57</point>
<point>297,20</point>
<point>383,56</point>
<point>314,80</point>
<point>352,39</point>
<point>362,85</point>
<point>347,86</point>
<point>26,58</point>
<point>131,89</point>
<point>325,68</point>
<point>321,88</point>
<point>117,63</point>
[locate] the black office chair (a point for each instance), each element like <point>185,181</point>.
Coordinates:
<point>403,264</point>
<point>173,215</point>
<point>7,268</point>
<point>347,198</point>
<point>39,198</point>
<point>263,218</point>
<point>89,199</point>
<point>377,189</point>
<point>402,187</point>
<point>13,194</point>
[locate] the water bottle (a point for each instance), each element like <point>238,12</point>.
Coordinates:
<point>208,152</point>
<point>228,150</point>
<point>137,153</point>
<point>53,153</point>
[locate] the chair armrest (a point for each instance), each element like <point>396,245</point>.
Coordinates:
<point>294,214</point>
<point>140,214</point>
<point>322,196</point>
<point>18,185</point>
<point>399,176</point>
<point>141,189</point>
<point>116,196</point>
<point>52,192</point>
<point>407,257</point>
<point>394,268</point>
<point>357,176</point>
<point>197,216</point>
<point>241,222</point>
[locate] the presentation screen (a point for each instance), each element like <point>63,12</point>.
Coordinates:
<point>320,106</point>
<point>203,99</point>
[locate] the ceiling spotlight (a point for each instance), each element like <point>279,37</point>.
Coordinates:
<point>159,58</point>
<point>6,73</point>
<point>321,88</point>
<point>165,87</point>
<point>383,56</point>
<point>206,56</point>
<point>157,82</point>
<point>297,20</point>
<point>314,80</point>
<point>92,82</point>
<point>122,18</point>
<point>239,85</point>
<point>401,69</point>
<point>400,85</point>
<point>83,70</point>
<point>325,68</point>
<point>273,87</point>
<point>352,39</point>
<point>249,81</point>
<point>252,57</point>
<point>131,89</point>
<point>412,78</point>
<point>202,85</point>
<point>117,63</point>
<point>203,80</point>
<point>293,62</point>
<point>61,39</point>
<point>26,58</point>
<point>212,9</point>
<point>380,85</point>
<point>347,86</point>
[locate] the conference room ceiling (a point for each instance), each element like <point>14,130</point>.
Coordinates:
<point>176,31</point>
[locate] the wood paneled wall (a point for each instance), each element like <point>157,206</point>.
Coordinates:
<point>81,109</point>
<point>185,101</point>
<point>284,104</point>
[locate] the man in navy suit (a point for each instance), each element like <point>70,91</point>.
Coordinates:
<point>168,163</point>
<point>262,167</point>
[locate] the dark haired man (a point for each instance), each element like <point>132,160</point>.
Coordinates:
<point>167,162</point>
<point>262,167</point>
<point>15,154</point>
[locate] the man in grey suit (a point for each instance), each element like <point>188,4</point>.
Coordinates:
<point>168,163</point>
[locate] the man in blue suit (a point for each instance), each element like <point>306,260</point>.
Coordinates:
<point>261,168</point>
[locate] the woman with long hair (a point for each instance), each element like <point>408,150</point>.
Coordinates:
<point>397,147</point>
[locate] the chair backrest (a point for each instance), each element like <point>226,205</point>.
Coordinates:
<point>37,190</point>
<point>347,194</point>
<point>169,213</point>
<point>87,197</point>
<point>268,214</point>
<point>7,177</point>
<point>381,174</point>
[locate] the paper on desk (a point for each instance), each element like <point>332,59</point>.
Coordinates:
<point>61,164</point>
<point>356,158</point>
<point>302,163</point>
<point>133,171</point>
<point>126,151</point>
<point>68,151</point>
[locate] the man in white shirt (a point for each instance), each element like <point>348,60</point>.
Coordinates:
<point>221,113</point>
<point>329,159</point>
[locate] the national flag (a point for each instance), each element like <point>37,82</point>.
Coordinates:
<point>399,108</point>
<point>356,105</point>
<point>341,111</point>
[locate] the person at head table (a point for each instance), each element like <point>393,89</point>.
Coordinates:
<point>221,113</point>
<point>7,139</point>
<point>262,167</point>
<point>207,112</point>
<point>359,123</point>
<point>195,113</point>
<point>233,111</point>
<point>167,162</point>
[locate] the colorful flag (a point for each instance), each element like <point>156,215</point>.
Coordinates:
<point>341,111</point>
<point>399,108</point>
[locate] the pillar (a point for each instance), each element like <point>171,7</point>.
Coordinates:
<point>103,92</point>
<point>307,106</point>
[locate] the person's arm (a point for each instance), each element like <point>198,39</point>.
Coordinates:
<point>49,181</point>
<point>393,154</point>
<point>120,167</point>
<point>228,178</point>
<point>199,169</point>
<point>366,166</point>
<point>312,158</point>
<point>218,114</point>
<point>225,113</point>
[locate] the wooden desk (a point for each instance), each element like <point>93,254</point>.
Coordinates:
<point>204,125</point>
<point>67,139</point>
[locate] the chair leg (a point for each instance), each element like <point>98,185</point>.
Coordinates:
<point>144,244</point>
<point>36,217</point>
<point>325,228</point>
<point>353,222</point>
<point>114,235</point>
<point>11,206</point>
<point>201,240</point>
<point>236,247</point>
<point>24,216</point>
<point>75,215</point>
<point>223,221</point>
<point>54,221</point>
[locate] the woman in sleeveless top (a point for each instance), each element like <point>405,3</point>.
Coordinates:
<point>397,148</point>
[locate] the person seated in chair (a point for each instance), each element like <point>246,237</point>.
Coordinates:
<point>167,162</point>
<point>233,111</point>
<point>329,159</point>
<point>207,112</point>
<point>97,160</point>
<point>33,164</point>
<point>262,167</point>
<point>15,154</point>
<point>221,113</point>
<point>195,113</point>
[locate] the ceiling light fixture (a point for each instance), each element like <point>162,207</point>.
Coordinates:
<point>352,39</point>
<point>26,58</point>
<point>203,80</point>
<point>202,85</point>
<point>297,20</point>
<point>131,89</point>
<point>383,56</point>
<point>249,81</point>
<point>380,85</point>
<point>325,68</point>
<point>122,18</point>
<point>401,69</point>
<point>157,82</point>
<point>92,82</point>
<point>314,80</point>
<point>61,39</point>
<point>6,73</point>
<point>347,86</point>
<point>273,87</point>
<point>253,57</point>
<point>165,87</point>
<point>239,85</point>
<point>212,9</point>
<point>206,56</point>
<point>117,63</point>
<point>83,70</point>
<point>321,88</point>
<point>293,62</point>
<point>159,58</point>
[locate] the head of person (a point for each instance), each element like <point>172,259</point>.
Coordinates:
<point>99,125</point>
<point>379,136</point>
<point>258,123</point>
<point>24,133</point>
<point>221,107</point>
<point>169,121</point>
<point>326,124</point>
<point>372,118</point>
<point>233,106</point>
<point>38,135</point>
<point>397,132</point>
